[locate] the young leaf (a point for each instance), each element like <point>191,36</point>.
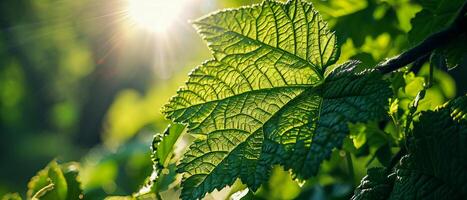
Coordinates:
<point>49,183</point>
<point>58,182</point>
<point>435,167</point>
<point>264,98</point>
<point>162,148</point>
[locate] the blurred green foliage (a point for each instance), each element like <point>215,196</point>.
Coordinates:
<point>78,84</point>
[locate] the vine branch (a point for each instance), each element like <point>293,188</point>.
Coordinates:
<point>434,41</point>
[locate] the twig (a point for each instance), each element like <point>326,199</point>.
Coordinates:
<point>43,191</point>
<point>431,43</point>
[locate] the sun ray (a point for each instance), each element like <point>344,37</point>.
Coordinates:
<point>155,15</point>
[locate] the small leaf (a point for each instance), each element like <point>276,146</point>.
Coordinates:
<point>357,134</point>
<point>164,148</point>
<point>49,183</point>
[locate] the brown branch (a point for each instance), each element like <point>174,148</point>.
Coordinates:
<point>428,45</point>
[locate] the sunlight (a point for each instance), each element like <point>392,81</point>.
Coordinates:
<point>155,15</point>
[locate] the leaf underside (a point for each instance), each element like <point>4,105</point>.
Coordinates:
<point>264,100</point>
<point>435,167</point>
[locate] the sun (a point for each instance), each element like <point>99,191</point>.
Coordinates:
<point>155,15</point>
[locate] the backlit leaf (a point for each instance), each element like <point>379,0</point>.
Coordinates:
<point>264,98</point>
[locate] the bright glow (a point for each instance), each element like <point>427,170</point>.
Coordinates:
<point>155,15</point>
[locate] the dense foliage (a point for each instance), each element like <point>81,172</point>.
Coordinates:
<point>287,104</point>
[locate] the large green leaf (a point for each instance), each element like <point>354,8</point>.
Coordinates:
<point>435,167</point>
<point>264,98</point>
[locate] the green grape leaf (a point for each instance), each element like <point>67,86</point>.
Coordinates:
<point>264,99</point>
<point>435,16</point>
<point>56,182</point>
<point>435,167</point>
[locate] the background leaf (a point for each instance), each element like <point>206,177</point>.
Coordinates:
<point>435,167</point>
<point>435,16</point>
<point>375,186</point>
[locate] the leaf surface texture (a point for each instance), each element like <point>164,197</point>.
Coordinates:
<point>264,99</point>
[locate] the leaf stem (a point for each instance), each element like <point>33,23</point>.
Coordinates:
<point>43,191</point>
<point>434,41</point>
<point>350,166</point>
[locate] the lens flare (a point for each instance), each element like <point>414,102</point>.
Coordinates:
<point>155,15</point>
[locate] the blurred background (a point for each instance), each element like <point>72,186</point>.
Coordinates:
<point>84,81</point>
